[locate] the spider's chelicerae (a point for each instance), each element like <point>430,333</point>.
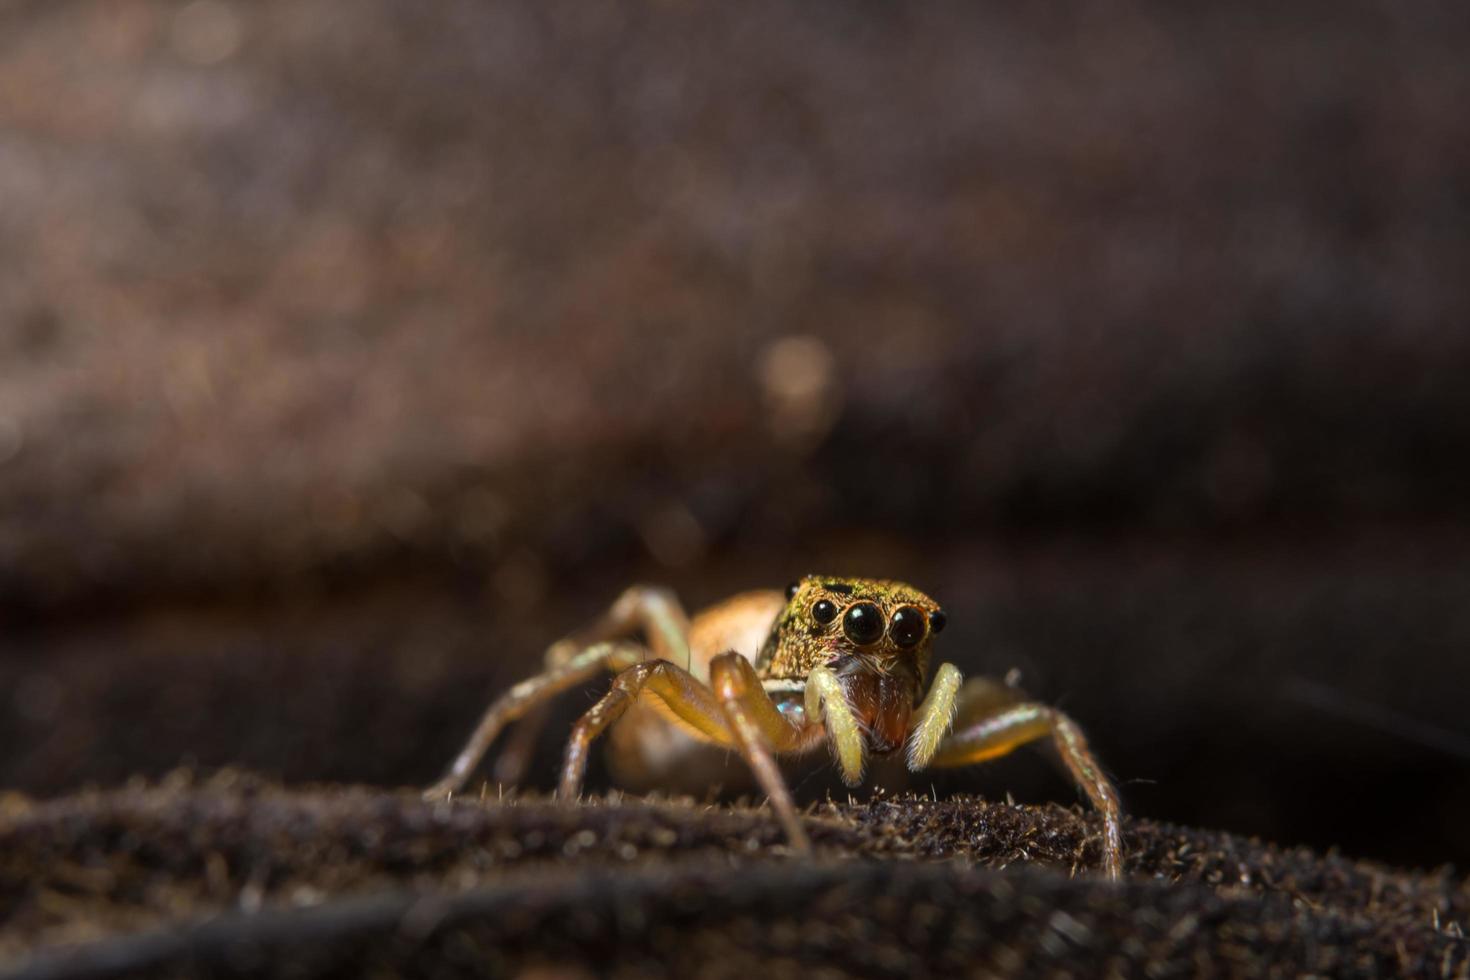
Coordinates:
<point>840,661</point>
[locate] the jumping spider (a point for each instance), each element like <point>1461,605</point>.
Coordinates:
<point>840,661</point>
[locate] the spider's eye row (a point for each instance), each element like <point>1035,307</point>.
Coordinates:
<point>863,623</point>
<point>791,590</point>
<point>907,626</point>
<point>823,611</point>
<point>937,619</point>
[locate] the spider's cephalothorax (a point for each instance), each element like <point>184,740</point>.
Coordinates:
<point>876,622</point>
<point>874,634</point>
<point>837,661</point>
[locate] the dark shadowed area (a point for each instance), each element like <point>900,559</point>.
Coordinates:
<point>352,352</point>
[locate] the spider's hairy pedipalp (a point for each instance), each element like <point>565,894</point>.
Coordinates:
<point>935,717</point>
<point>827,700</point>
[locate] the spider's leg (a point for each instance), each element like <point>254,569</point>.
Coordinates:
<point>526,696</point>
<point>760,731</point>
<point>690,700</point>
<point>987,730</point>
<point>510,763</point>
<point>654,612</point>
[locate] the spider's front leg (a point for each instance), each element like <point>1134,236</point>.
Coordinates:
<point>991,722</point>
<point>569,662</point>
<point>527,696</point>
<point>690,700</point>
<point>734,711</point>
<point>760,731</point>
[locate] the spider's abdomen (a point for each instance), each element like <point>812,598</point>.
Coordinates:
<point>740,623</point>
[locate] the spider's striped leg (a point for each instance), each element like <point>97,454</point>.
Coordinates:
<point>760,732</point>
<point>734,711</point>
<point>987,730</point>
<point>524,697</point>
<point>686,697</point>
<point>509,765</point>
<point>653,612</point>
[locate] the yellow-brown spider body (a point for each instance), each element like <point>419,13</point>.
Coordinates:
<point>881,680</point>
<point>837,661</point>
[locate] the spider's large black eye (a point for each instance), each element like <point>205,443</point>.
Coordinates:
<point>863,623</point>
<point>907,626</point>
<point>791,590</point>
<point>937,619</point>
<point>823,611</point>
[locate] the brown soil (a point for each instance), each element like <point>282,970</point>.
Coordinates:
<point>237,876</point>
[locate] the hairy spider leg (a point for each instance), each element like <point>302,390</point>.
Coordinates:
<point>733,711</point>
<point>509,765</point>
<point>986,730</point>
<point>690,700</point>
<point>655,612</point>
<point>526,695</point>
<point>762,732</point>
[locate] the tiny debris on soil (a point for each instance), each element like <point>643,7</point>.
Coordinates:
<point>233,875</point>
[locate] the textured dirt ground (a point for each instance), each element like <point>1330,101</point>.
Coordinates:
<point>235,876</point>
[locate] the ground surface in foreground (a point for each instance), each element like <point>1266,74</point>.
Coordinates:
<point>237,876</point>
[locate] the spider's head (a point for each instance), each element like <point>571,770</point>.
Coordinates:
<point>875,633</point>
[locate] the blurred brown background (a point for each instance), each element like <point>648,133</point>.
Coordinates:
<point>349,352</point>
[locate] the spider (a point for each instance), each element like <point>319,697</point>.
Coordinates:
<point>840,661</point>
